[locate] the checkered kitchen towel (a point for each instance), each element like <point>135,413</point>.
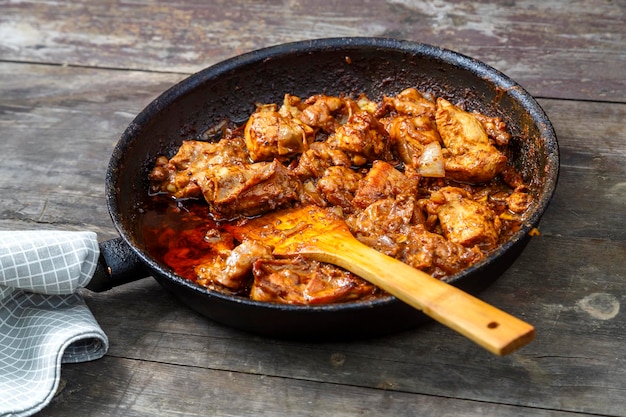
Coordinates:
<point>43,322</point>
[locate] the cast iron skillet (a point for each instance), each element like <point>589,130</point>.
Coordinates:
<point>230,89</point>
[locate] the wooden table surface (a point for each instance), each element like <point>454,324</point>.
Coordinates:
<point>74,74</point>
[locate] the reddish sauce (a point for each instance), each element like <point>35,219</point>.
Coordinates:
<point>175,234</point>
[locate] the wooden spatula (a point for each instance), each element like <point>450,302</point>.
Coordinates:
<point>318,234</point>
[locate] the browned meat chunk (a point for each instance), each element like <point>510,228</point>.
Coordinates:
<point>464,220</point>
<point>180,175</point>
<point>417,128</point>
<point>432,253</point>
<point>519,200</point>
<point>468,155</point>
<point>300,281</point>
<point>363,138</point>
<point>480,165</point>
<point>512,178</point>
<point>416,141</point>
<point>384,181</point>
<point>384,223</point>
<point>319,157</point>
<point>248,189</point>
<point>269,135</point>
<point>338,186</point>
<point>232,269</point>
<point>410,102</point>
<point>320,111</point>
<point>495,128</point>
<point>292,106</point>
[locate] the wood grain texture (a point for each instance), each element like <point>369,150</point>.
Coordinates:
<point>59,125</point>
<point>571,51</point>
<point>592,138</point>
<point>74,74</point>
<point>158,389</point>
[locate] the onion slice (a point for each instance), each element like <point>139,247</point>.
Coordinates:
<point>430,163</point>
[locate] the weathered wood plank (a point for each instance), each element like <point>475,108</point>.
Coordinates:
<point>547,48</point>
<point>115,387</point>
<point>590,200</point>
<point>59,126</point>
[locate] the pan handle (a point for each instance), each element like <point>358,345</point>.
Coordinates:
<point>118,264</point>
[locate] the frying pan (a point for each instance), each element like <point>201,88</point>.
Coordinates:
<point>231,89</point>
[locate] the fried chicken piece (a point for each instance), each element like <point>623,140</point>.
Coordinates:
<point>416,141</point>
<point>384,181</point>
<point>324,112</point>
<point>231,269</point>
<point>495,128</point>
<point>248,189</point>
<point>338,186</point>
<point>410,102</point>
<point>435,255</point>
<point>383,224</point>
<point>363,138</point>
<point>469,156</point>
<point>296,280</point>
<point>463,220</point>
<point>519,200</point>
<point>319,157</point>
<point>179,176</point>
<point>319,112</point>
<point>221,173</point>
<point>270,135</point>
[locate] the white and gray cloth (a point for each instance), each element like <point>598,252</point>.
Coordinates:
<point>43,321</point>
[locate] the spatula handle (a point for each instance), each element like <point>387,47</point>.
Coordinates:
<point>489,327</point>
